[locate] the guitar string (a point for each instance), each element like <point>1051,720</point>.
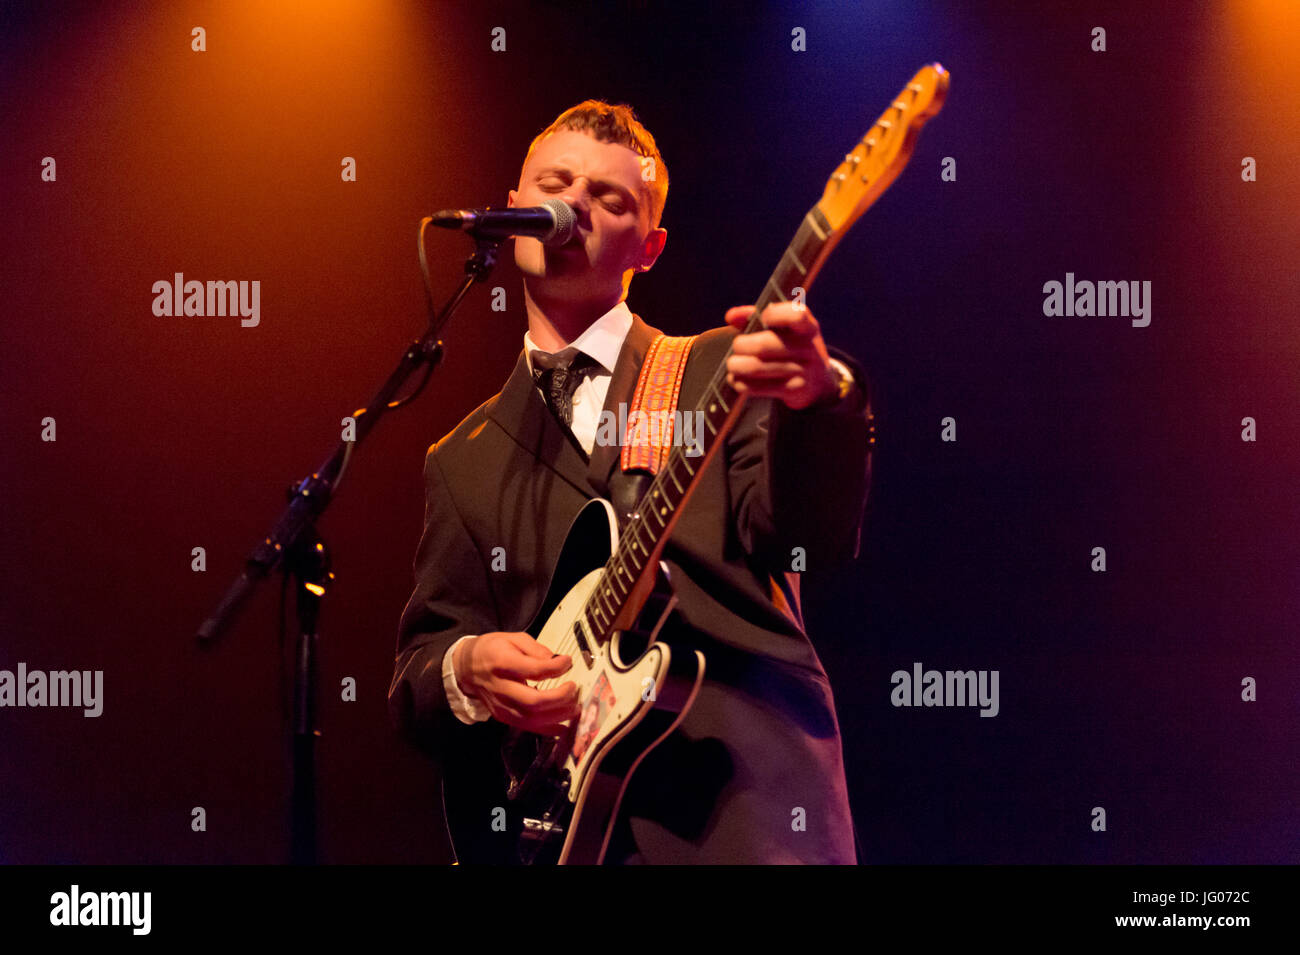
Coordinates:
<point>605,587</point>
<point>594,607</point>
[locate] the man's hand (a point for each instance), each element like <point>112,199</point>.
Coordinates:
<point>494,667</point>
<point>787,360</point>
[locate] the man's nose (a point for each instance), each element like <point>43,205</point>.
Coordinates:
<point>577,196</point>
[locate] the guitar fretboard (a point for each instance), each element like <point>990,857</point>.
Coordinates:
<point>647,529</point>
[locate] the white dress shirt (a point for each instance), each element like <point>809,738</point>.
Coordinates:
<point>602,340</point>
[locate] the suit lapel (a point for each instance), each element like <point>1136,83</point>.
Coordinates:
<point>522,414</point>
<point>605,457</point>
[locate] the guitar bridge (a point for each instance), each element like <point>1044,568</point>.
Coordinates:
<point>541,829</point>
<point>537,833</point>
<point>535,836</point>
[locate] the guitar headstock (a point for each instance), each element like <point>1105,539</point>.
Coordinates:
<point>880,156</point>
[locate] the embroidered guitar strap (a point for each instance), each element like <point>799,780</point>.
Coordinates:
<point>649,436</point>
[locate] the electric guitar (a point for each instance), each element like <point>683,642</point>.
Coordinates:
<point>514,797</point>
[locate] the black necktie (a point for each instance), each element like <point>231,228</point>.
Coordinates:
<point>559,376</point>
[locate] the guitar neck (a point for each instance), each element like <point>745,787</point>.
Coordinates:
<point>864,175</point>
<point>614,604</point>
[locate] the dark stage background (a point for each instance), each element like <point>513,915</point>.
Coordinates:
<point>1119,689</point>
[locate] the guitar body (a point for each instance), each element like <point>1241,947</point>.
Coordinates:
<point>512,797</point>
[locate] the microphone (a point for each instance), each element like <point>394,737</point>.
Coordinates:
<point>552,222</point>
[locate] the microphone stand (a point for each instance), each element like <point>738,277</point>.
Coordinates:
<point>294,543</point>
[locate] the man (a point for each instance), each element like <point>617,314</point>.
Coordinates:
<point>755,771</point>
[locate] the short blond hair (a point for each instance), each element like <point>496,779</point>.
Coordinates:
<point>608,123</point>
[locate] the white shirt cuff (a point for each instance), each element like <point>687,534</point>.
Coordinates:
<point>467,709</point>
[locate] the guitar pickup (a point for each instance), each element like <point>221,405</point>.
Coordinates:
<point>581,638</point>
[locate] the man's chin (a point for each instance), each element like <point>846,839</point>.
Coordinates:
<point>566,271</point>
<point>558,265</point>
<point>567,258</point>
<point>568,289</point>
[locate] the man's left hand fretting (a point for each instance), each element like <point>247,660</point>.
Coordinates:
<point>787,360</point>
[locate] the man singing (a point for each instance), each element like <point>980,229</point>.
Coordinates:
<point>754,773</point>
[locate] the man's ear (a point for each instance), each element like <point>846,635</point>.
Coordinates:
<point>651,248</point>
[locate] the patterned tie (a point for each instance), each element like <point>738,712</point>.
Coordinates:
<point>558,376</point>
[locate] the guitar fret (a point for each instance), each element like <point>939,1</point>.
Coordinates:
<point>776,289</point>
<point>652,537</point>
<point>796,265</point>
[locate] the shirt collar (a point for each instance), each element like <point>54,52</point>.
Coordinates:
<point>602,340</point>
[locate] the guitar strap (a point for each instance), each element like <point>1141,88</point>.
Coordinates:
<point>649,439</point>
<point>649,436</point>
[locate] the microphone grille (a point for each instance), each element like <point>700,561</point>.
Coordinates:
<point>565,218</point>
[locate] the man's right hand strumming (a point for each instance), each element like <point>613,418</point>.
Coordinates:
<point>493,667</point>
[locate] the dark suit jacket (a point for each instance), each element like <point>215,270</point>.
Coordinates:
<point>755,773</point>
